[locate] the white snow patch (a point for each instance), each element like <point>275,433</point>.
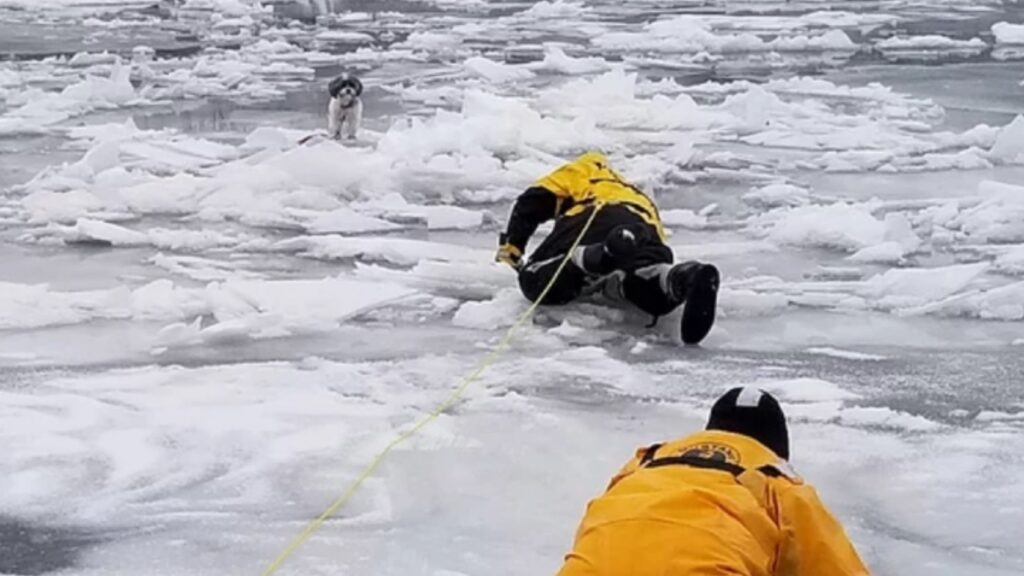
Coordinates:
<point>841,225</point>
<point>225,7</point>
<point>849,227</point>
<point>279,304</point>
<point>347,221</point>
<point>681,218</point>
<point>432,41</point>
<point>345,37</point>
<point>1011,261</point>
<point>740,303</point>
<point>941,291</point>
<point>467,280</point>
<point>272,138</point>
<point>1001,303</point>
<point>993,416</point>
<point>266,309</point>
<point>805,390</point>
<point>881,417</point>
<point>567,330</point>
<point>1007,33</point>
<point>827,411</point>
<point>1009,144</point>
<point>712,250</point>
<point>496,72</point>
<point>91,93</point>
<point>844,354</point>
<point>999,217</point>
<point>611,100</point>
<point>90,231</point>
<point>777,195</point>
<point>400,251</point>
<point>61,4</point>
<point>9,78</point>
<point>557,9</point>
<point>499,312</point>
<point>203,269</point>
<point>692,34</point>
<point>87,59</point>
<point>930,42</point>
<point>87,231</point>
<point>905,286</point>
<point>437,217</point>
<point>884,253</point>
<point>556,60</point>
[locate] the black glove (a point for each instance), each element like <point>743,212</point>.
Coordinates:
<point>621,246</point>
<point>615,253</point>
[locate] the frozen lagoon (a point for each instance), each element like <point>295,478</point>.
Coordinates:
<point>207,332</point>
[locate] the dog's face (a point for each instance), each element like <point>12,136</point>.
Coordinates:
<point>345,88</point>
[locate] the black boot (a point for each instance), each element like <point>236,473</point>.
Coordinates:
<point>696,286</point>
<point>615,253</point>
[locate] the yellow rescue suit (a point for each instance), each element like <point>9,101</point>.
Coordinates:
<point>711,504</point>
<point>588,180</point>
<point>589,202</point>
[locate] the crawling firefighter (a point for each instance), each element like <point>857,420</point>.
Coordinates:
<point>723,502</point>
<point>623,252</point>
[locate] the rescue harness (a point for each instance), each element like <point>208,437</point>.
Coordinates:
<point>755,480</point>
<point>649,461</point>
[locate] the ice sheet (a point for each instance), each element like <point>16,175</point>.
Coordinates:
<point>166,385</point>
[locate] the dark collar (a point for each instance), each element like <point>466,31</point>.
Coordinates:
<point>350,104</point>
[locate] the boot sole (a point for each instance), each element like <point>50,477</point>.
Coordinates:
<point>699,308</point>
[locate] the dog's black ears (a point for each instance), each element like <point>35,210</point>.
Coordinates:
<point>334,88</point>
<point>336,85</point>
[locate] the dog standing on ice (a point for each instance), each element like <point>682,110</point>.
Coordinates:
<point>345,110</point>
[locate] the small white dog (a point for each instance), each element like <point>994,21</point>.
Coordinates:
<point>345,110</point>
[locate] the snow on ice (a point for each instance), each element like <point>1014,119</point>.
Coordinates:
<point>1007,33</point>
<point>259,317</point>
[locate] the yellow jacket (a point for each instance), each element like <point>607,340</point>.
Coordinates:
<point>590,179</point>
<point>711,504</point>
<point>568,192</point>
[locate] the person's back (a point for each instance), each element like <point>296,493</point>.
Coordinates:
<point>714,503</point>
<point>608,237</point>
<point>590,179</point>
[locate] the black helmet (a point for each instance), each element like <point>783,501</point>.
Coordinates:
<point>755,413</point>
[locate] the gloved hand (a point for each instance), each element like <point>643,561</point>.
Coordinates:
<point>621,245</point>
<point>508,253</point>
<point>617,252</point>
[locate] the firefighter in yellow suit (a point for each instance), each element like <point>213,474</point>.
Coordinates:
<point>723,502</point>
<point>622,253</point>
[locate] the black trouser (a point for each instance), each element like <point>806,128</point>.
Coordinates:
<point>643,281</point>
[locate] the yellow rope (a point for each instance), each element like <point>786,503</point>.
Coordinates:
<point>450,401</point>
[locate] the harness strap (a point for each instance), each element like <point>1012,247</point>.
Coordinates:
<point>649,454</point>
<point>638,191</point>
<point>697,462</point>
<point>704,463</point>
<point>640,209</point>
<point>755,480</point>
